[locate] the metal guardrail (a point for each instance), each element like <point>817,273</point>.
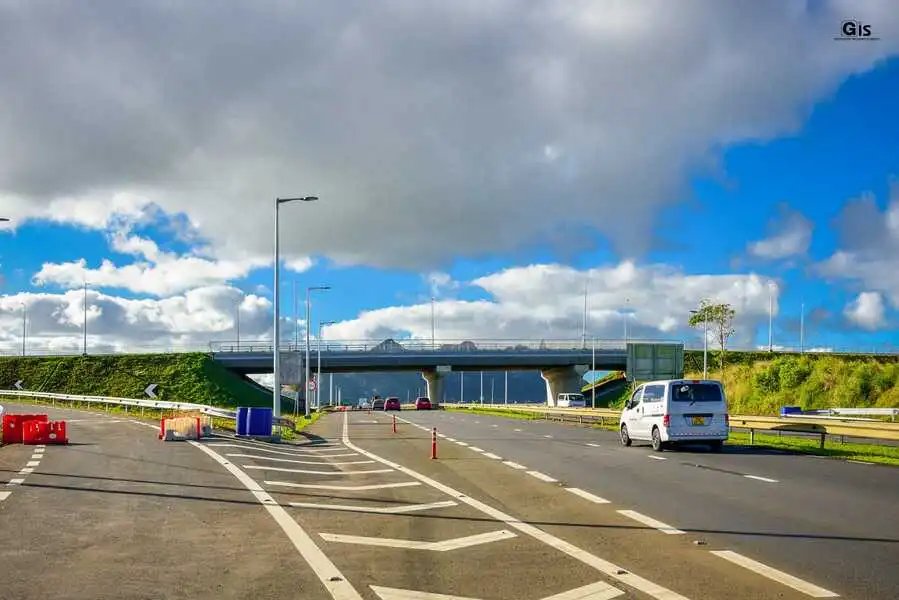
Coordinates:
<point>212,411</point>
<point>892,413</point>
<point>822,426</point>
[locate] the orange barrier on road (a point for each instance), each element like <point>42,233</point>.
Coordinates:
<point>44,432</point>
<point>184,428</point>
<point>13,426</point>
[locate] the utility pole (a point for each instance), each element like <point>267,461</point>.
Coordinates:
<point>24,327</point>
<point>84,351</point>
<point>482,387</point>
<point>433,343</point>
<point>491,390</point>
<point>802,329</point>
<point>584,328</point>
<point>462,387</point>
<point>593,371</point>
<point>770,316</point>
<point>237,324</point>
<point>506,392</point>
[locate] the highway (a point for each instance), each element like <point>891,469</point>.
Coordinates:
<point>510,509</point>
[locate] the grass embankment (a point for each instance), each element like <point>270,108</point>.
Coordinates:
<point>189,377</point>
<point>498,412</point>
<point>888,455</point>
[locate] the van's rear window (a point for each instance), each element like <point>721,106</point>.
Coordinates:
<point>695,392</point>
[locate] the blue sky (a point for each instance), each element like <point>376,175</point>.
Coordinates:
<point>508,242</point>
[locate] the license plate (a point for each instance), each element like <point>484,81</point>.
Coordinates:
<point>698,420</point>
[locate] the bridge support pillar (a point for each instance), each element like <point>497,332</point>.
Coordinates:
<point>561,380</point>
<point>434,380</point>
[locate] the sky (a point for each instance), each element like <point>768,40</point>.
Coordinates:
<point>501,158</point>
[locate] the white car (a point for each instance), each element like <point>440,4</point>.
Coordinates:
<point>672,411</point>
<point>570,401</point>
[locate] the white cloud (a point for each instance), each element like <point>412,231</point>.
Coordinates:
<point>440,283</point>
<point>866,311</point>
<point>546,301</point>
<point>429,129</point>
<point>791,236</point>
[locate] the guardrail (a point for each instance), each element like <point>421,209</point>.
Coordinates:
<point>419,345</point>
<point>213,411</point>
<point>823,426</point>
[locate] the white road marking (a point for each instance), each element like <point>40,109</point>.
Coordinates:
<point>32,463</point>
<point>16,481</point>
<point>95,421</point>
<point>654,457</point>
<point>151,426</point>
<point>518,430</point>
<point>663,527</point>
<point>788,580</point>
<point>387,510</point>
<point>595,591</point>
<point>494,425</point>
<point>462,443</point>
<point>757,478</point>
<point>26,471</point>
<point>314,453</point>
<point>542,476</point>
<point>37,456</point>
<point>587,495</point>
<point>514,465</point>
<point>343,488</point>
<point>493,456</point>
<point>591,444</point>
<point>311,472</point>
<point>39,450</point>
<point>477,422</point>
<point>302,462</point>
<point>444,546</point>
<point>860,462</point>
<point>603,566</point>
<point>333,580</point>
<point>449,439</point>
<point>440,435</point>
<point>41,447</point>
<point>476,449</point>
<point>547,436</point>
<point>4,495</point>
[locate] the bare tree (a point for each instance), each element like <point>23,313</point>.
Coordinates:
<point>720,318</point>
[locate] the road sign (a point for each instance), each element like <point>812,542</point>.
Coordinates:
<point>311,385</point>
<point>18,385</point>
<point>151,390</point>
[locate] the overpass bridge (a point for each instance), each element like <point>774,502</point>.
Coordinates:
<point>562,363</point>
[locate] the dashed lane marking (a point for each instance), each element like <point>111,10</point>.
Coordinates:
<point>449,439</point>
<point>387,510</point>
<point>663,527</point>
<point>32,463</point>
<point>788,580</point>
<point>656,457</point>
<point>603,566</point>
<point>330,576</point>
<point>301,462</point>
<point>312,472</point>
<point>547,436</point>
<point>462,443</point>
<point>493,456</point>
<point>444,546</point>
<point>542,476</point>
<point>26,471</point>
<point>592,445</point>
<point>16,481</point>
<point>758,478</point>
<point>343,488</point>
<point>518,430</point>
<point>514,465</point>
<point>587,495</point>
<point>476,449</point>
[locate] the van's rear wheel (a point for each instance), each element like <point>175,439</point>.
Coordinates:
<point>716,445</point>
<point>625,438</point>
<point>657,444</point>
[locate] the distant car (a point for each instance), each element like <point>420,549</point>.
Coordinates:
<point>363,404</point>
<point>570,401</point>
<point>674,411</point>
<point>377,403</point>
<point>392,403</point>
<point>423,403</point>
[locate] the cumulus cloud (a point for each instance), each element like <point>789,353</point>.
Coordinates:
<point>790,235</point>
<point>866,311</point>
<point>546,301</point>
<point>429,129</point>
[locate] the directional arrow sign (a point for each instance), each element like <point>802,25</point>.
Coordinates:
<point>151,390</point>
<point>18,385</point>
<point>444,546</point>
<point>595,591</point>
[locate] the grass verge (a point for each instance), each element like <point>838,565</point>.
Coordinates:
<point>511,414</point>
<point>886,455</point>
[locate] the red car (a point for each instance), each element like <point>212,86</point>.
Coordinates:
<point>392,403</point>
<point>422,404</point>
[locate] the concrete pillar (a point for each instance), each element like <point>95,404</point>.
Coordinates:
<point>434,381</point>
<point>560,380</point>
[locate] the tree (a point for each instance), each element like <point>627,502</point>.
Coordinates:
<point>720,319</point>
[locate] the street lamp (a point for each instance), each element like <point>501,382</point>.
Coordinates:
<point>24,330</point>
<point>84,327</point>
<point>771,316</point>
<point>237,320</point>
<point>705,344</point>
<point>318,376</point>
<point>433,345</point>
<point>309,290</point>
<point>276,355</point>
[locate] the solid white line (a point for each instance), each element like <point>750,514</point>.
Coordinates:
<point>449,439</point>
<point>333,580</point>
<point>315,453</point>
<point>587,495</point>
<point>32,463</point>
<point>440,435</point>
<point>302,462</point>
<point>542,476</point>
<point>444,546</point>
<point>663,527</point>
<point>593,445</point>
<point>26,471</point>
<point>514,465</point>
<point>603,566</point>
<point>462,443</point>
<point>779,576</point>
<point>16,481</point>
<point>547,436</point>
<point>493,456</point>
<point>860,462</point>
<point>757,478</point>
<point>344,488</point>
<point>518,430</point>
<point>652,456</point>
<point>311,472</point>
<point>387,510</point>
<point>476,449</point>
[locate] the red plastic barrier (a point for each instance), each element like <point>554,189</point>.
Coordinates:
<point>57,433</point>
<point>44,432</point>
<point>13,426</point>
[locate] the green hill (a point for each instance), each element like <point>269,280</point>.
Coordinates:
<point>192,377</point>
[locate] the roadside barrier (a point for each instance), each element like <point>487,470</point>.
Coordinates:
<point>33,429</point>
<point>434,443</point>
<point>184,428</point>
<point>394,423</point>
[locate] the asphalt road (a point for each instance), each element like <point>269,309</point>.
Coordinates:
<point>357,511</point>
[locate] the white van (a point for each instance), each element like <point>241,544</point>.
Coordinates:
<point>570,401</point>
<point>672,411</point>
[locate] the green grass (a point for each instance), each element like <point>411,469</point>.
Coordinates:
<point>888,455</point>
<point>511,413</point>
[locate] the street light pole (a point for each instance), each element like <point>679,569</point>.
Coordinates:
<point>802,328</point>
<point>433,345</point>
<point>276,352</point>
<point>506,390</point>
<point>770,317</point>
<point>309,290</point>
<point>24,329</point>
<point>84,352</point>
<point>482,387</point>
<point>705,349</point>
<point>237,322</point>
<point>593,371</point>
<point>584,328</point>
<point>318,376</point>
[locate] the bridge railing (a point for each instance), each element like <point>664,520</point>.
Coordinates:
<point>419,345</point>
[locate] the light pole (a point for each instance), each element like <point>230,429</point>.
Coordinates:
<point>593,370</point>
<point>276,353</point>
<point>770,316</point>
<point>482,387</point>
<point>84,351</point>
<point>309,290</point>
<point>461,387</point>
<point>802,328</point>
<point>433,345</point>
<point>318,375</point>
<point>506,388</point>
<point>705,344</point>
<point>584,328</point>
<point>24,329</point>
<point>237,321</point>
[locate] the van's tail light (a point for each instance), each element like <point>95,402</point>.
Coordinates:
<point>666,420</point>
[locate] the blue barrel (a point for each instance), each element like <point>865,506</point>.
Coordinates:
<point>243,413</point>
<point>790,410</point>
<point>259,421</point>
